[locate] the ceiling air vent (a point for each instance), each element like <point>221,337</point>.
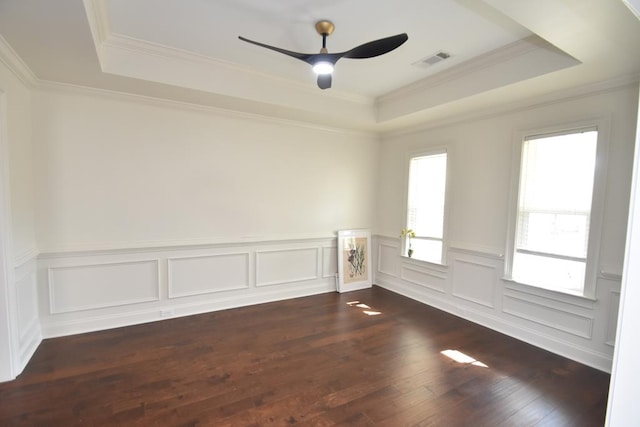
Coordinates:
<point>432,59</point>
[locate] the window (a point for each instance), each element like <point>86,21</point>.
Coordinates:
<point>554,217</point>
<point>426,206</point>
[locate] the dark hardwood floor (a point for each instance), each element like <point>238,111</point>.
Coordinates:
<point>307,361</point>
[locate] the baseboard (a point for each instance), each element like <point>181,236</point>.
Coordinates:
<point>28,345</point>
<point>57,328</point>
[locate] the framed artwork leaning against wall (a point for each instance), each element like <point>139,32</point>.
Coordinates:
<point>354,260</point>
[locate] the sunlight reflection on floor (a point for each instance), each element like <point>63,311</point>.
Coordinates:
<point>368,311</point>
<point>460,357</point>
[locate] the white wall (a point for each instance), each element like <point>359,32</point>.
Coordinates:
<point>149,209</point>
<point>19,124</point>
<point>18,307</point>
<point>114,172</point>
<point>470,285</point>
<point>625,376</point>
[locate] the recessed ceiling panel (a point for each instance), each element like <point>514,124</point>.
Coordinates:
<point>211,28</point>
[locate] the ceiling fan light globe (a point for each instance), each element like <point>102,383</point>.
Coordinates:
<point>323,67</point>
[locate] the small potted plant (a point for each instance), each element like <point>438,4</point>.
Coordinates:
<point>408,234</point>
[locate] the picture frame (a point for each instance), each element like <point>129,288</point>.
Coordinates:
<point>354,260</point>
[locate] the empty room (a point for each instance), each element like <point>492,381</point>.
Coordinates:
<point>351,212</point>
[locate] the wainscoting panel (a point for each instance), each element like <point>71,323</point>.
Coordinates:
<point>286,266</point>
<point>329,261</point>
<point>421,276</point>
<point>470,286</point>
<point>571,323</point>
<point>29,330</point>
<point>388,259</point>
<point>474,281</point>
<point>83,291</point>
<point>612,320</point>
<point>85,287</point>
<point>27,299</point>
<point>197,275</point>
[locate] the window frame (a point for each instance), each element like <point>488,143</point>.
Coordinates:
<point>403,243</point>
<point>602,126</point>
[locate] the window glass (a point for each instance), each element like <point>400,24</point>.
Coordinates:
<point>554,210</point>
<point>426,206</point>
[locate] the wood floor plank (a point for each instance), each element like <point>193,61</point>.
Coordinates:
<point>315,361</point>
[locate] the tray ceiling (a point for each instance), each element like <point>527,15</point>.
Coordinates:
<point>188,51</point>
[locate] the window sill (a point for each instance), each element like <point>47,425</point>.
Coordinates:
<point>555,294</point>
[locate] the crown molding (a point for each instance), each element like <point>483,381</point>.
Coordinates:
<point>523,60</point>
<point>116,51</point>
<point>99,23</point>
<point>634,7</point>
<point>10,58</point>
<point>529,103</point>
<point>468,68</point>
<point>120,42</point>
<point>66,88</point>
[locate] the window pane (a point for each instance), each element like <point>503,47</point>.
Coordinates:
<point>549,273</point>
<point>556,187</point>
<point>556,233</point>
<point>554,210</point>
<point>425,210</point>
<point>427,250</point>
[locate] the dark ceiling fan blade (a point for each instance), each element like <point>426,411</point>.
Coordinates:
<point>324,81</point>
<point>376,47</point>
<point>301,56</point>
<point>323,62</point>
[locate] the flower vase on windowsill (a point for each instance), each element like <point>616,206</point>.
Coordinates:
<point>408,234</point>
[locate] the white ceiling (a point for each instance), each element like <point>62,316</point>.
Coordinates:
<point>188,51</point>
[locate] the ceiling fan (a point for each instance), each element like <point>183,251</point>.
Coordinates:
<point>324,61</point>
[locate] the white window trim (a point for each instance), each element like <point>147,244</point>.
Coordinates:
<point>597,204</point>
<point>407,165</point>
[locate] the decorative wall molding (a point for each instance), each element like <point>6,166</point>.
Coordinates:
<point>532,335</point>
<point>572,326</point>
<point>27,316</point>
<point>570,323</point>
<point>187,280</point>
<point>25,257</point>
<point>26,307</point>
<point>477,251</point>
<point>432,279</point>
<point>474,281</point>
<point>302,265</point>
<point>72,283</point>
<point>30,339</point>
<point>97,320</point>
<point>578,301</point>
<point>612,319</point>
<point>388,255</point>
<point>329,261</point>
<point>553,303</point>
<point>204,274</point>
